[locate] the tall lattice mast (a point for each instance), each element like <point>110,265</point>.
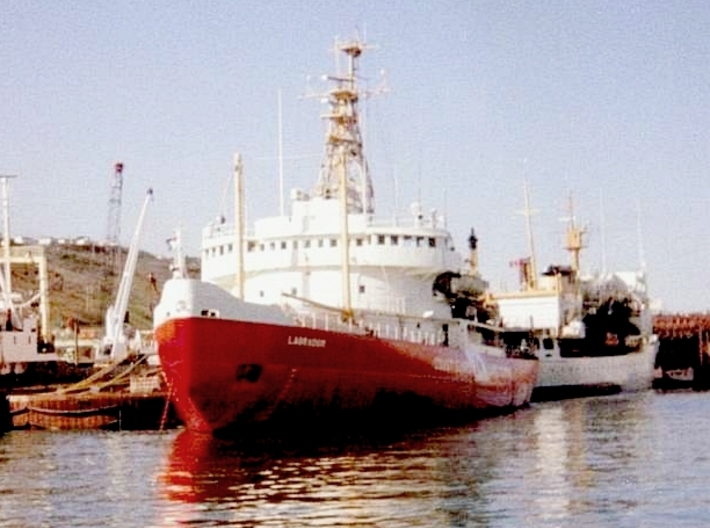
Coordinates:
<point>343,143</point>
<point>113,225</point>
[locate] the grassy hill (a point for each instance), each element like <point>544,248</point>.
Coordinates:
<point>81,286</point>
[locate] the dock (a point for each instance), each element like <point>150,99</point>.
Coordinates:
<point>114,411</point>
<point>683,358</point>
<point>126,396</point>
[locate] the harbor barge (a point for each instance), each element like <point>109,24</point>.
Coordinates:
<point>126,396</point>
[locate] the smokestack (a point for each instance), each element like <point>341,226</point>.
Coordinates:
<point>473,253</point>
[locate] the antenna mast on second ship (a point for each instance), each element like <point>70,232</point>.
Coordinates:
<point>530,270</point>
<point>574,243</point>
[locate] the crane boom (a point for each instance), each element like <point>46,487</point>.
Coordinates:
<point>115,340</point>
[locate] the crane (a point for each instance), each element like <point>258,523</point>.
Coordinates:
<point>115,340</point>
<point>113,224</point>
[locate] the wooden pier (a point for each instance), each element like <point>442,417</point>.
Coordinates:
<point>125,396</point>
<point>115,411</point>
<point>684,353</point>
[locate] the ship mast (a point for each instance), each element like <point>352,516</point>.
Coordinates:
<point>238,290</point>
<point>531,271</point>
<point>343,140</point>
<point>344,174</point>
<point>344,244</point>
<point>7,277</point>
<point>574,243</point>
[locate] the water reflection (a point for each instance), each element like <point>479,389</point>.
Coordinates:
<point>553,451</point>
<point>627,460</point>
<point>583,447</point>
<point>78,479</point>
<point>422,477</point>
<point>535,466</point>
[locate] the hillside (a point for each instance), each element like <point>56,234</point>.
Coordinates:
<point>80,287</point>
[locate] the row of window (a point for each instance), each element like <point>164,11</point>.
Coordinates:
<point>294,291</point>
<point>376,240</point>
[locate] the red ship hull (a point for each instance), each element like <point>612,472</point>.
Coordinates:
<point>227,374</point>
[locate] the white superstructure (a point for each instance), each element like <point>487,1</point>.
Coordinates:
<point>331,250</point>
<point>301,256</point>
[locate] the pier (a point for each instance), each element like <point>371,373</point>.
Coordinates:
<point>129,395</point>
<point>114,411</point>
<point>684,353</point>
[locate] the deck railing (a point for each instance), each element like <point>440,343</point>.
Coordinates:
<point>404,331</point>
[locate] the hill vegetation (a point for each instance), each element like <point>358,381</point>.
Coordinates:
<point>82,285</point>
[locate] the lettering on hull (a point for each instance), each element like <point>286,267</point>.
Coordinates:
<point>306,341</point>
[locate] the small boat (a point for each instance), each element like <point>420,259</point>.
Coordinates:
<point>329,310</point>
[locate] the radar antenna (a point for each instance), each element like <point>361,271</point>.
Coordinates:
<point>343,141</point>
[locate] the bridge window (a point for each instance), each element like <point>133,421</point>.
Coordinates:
<point>333,242</point>
<point>306,244</point>
<point>283,244</point>
<point>380,240</point>
<point>395,240</point>
<point>358,241</point>
<point>432,242</point>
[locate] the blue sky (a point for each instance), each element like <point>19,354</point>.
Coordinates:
<point>606,100</point>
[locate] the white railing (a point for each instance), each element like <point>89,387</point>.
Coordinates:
<point>333,322</point>
<point>419,226</point>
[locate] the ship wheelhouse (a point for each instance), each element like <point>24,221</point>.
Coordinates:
<point>392,263</point>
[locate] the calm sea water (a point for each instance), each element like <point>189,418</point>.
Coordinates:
<point>626,460</point>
